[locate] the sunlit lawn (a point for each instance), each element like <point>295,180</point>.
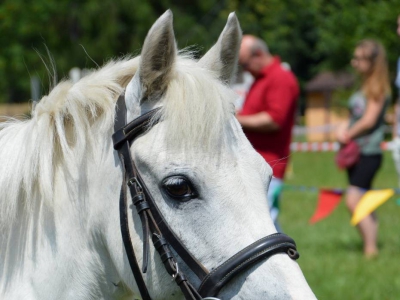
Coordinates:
<point>331,250</point>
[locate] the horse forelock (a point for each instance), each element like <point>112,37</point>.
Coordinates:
<point>197,108</point>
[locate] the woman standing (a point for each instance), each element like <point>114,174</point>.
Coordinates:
<point>366,126</point>
<point>396,125</point>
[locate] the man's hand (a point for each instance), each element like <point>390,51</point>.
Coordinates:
<point>259,122</point>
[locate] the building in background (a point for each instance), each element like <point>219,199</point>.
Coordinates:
<point>322,113</point>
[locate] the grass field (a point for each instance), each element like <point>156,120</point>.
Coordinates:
<point>331,250</point>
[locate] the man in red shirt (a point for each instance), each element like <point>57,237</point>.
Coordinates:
<point>268,113</point>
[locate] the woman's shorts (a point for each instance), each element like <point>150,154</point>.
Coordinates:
<point>363,172</point>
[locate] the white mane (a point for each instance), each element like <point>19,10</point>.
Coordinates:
<point>68,125</point>
<point>64,127</point>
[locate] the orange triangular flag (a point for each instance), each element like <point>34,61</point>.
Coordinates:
<point>369,202</point>
<point>328,199</point>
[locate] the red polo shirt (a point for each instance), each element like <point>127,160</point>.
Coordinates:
<point>274,91</point>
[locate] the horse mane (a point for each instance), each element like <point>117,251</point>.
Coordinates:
<point>66,126</point>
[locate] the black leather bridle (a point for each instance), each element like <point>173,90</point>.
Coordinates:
<point>155,226</point>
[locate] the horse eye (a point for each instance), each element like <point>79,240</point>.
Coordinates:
<point>179,187</point>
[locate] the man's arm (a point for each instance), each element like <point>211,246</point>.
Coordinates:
<point>259,122</point>
<point>276,106</point>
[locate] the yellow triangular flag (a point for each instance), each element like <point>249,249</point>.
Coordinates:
<point>369,202</point>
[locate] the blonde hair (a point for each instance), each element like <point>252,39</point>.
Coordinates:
<point>376,83</point>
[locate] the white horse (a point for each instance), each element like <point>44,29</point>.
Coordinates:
<point>60,181</point>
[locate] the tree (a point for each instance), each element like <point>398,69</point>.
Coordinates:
<point>310,35</point>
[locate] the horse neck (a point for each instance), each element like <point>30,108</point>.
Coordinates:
<point>66,236</point>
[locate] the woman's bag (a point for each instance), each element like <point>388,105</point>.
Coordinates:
<point>348,155</point>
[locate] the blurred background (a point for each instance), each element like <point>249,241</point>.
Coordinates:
<point>313,36</point>
<point>40,39</point>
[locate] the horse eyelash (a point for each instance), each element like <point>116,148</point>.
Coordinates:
<point>172,180</point>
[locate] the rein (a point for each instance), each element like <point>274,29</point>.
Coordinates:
<point>163,237</point>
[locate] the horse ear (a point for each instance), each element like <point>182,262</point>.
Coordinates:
<point>223,56</point>
<point>157,57</point>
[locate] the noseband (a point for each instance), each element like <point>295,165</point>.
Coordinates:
<point>163,237</point>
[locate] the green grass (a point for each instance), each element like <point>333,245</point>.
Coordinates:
<point>331,250</point>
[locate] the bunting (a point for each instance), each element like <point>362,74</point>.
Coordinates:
<point>328,200</point>
<point>369,202</point>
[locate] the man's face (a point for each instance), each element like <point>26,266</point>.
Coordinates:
<point>245,58</point>
<point>249,60</point>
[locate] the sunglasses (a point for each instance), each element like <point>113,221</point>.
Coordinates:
<point>360,58</point>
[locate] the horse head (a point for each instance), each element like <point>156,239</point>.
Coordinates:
<point>61,186</point>
<point>207,181</point>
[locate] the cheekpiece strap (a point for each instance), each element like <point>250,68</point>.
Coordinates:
<point>122,138</point>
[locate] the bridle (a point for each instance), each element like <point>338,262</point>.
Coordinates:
<point>155,226</point>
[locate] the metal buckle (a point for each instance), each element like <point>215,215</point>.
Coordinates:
<point>132,181</point>
<point>177,271</point>
<point>293,254</point>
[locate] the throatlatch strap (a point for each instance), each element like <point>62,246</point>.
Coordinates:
<point>138,199</point>
<point>120,121</point>
<point>126,238</point>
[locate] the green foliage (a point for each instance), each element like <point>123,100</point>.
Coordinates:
<point>309,35</point>
<point>289,28</point>
<point>343,23</point>
<point>331,251</point>
<point>320,34</point>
